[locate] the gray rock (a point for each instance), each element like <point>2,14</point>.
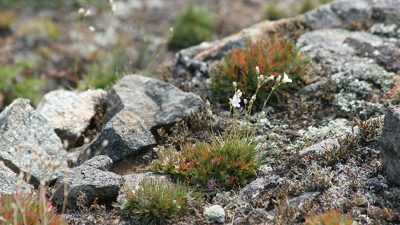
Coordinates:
<point>29,144</point>
<point>215,213</point>
<point>11,182</point>
<point>123,135</point>
<point>91,182</point>
<point>323,17</point>
<point>73,114</point>
<point>386,11</point>
<point>101,162</point>
<point>390,153</point>
<point>256,188</point>
<point>155,102</point>
<point>136,106</point>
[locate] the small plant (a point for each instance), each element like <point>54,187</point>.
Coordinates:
<point>224,163</point>
<point>329,218</point>
<point>272,12</point>
<point>45,28</point>
<point>27,209</point>
<point>272,57</point>
<point>194,26</point>
<point>369,129</point>
<point>306,6</point>
<point>156,202</point>
<point>17,81</point>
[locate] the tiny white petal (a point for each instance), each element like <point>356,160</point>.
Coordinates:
<point>257,70</point>
<point>81,11</point>
<point>92,28</point>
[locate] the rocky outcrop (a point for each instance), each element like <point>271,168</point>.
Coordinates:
<point>136,106</point>
<point>74,116</point>
<point>345,14</point>
<point>391,145</point>
<point>91,180</point>
<point>28,143</point>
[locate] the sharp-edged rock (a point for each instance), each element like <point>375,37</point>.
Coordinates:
<point>29,144</point>
<point>136,106</point>
<point>74,116</point>
<point>391,144</point>
<point>91,180</point>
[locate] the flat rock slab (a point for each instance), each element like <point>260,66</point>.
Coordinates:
<point>11,182</point>
<point>391,145</point>
<point>73,114</point>
<point>29,144</point>
<point>136,106</point>
<point>92,180</point>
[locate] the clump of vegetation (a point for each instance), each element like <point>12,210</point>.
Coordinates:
<point>17,81</point>
<point>272,57</point>
<point>192,27</point>
<point>45,28</point>
<point>306,6</point>
<point>101,75</point>
<point>27,209</point>
<point>156,202</point>
<point>224,163</point>
<point>329,218</point>
<point>272,12</point>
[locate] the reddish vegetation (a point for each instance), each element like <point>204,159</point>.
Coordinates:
<point>273,57</point>
<point>330,218</point>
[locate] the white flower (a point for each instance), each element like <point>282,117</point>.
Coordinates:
<point>272,77</point>
<point>286,79</point>
<point>235,100</point>
<point>88,13</point>
<point>257,70</point>
<point>81,11</point>
<point>234,84</point>
<point>91,28</point>
<point>279,78</point>
<point>261,78</point>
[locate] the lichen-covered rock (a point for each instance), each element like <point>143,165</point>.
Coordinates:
<point>29,144</point>
<point>90,180</point>
<point>391,144</point>
<point>74,115</point>
<point>11,182</point>
<point>215,213</point>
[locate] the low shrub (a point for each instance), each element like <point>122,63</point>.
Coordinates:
<point>27,209</point>
<point>306,6</point>
<point>224,163</point>
<point>272,12</point>
<point>156,202</point>
<point>272,57</point>
<point>17,81</point>
<point>192,27</point>
<point>329,218</point>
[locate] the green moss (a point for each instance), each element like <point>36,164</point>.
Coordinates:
<point>192,27</point>
<point>306,6</point>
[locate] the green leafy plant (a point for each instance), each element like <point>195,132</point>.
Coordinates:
<point>192,27</point>
<point>28,209</point>
<point>156,202</point>
<point>329,218</point>
<point>225,163</point>
<point>272,57</point>
<point>272,12</point>
<point>18,81</point>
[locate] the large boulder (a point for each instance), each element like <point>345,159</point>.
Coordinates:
<point>92,180</point>
<point>29,144</point>
<point>136,106</point>
<point>391,145</point>
<point>74,115</point>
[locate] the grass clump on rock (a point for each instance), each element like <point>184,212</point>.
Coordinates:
<point>192,27</point>
<point>156,202</point>
<point>224,163</point>
<point>27,209</point>
<point>272,57</point>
